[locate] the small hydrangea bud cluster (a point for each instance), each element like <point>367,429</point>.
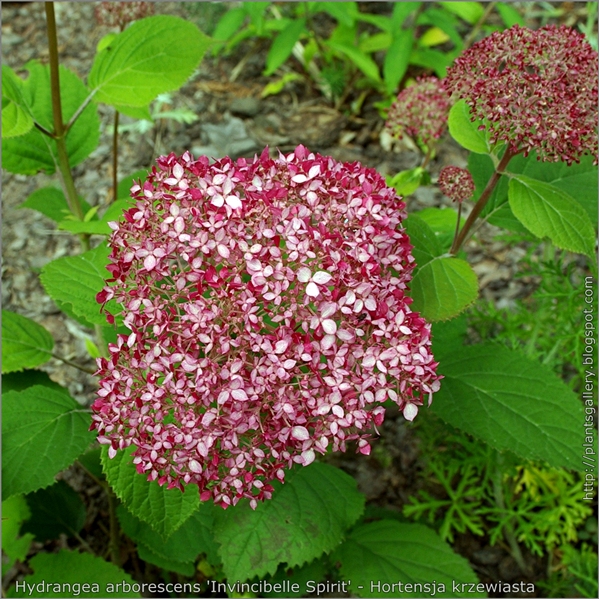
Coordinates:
<point>456,183</point>
<point>534,90</point>
<point>267,306</point>
<point>420,112</point>
<point>120,14</point>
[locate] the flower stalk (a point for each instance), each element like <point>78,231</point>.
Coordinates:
<point>60,130</point>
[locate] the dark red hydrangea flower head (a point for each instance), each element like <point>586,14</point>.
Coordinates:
<point>268,317</point>
<point>119,14</point>
<point>456,183</point>
<point>534,90</point>
<point>420,112</point>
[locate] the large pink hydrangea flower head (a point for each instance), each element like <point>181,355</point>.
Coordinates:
<point>534,90</point>
<point>420,112</point>
<point>120,14</point>
<point>268,317</point>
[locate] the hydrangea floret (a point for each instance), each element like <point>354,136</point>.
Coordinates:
<point>120,14</point>
<point>534,90</point>
<point>456,183</point>
<point>268,317</point>
<point>420,111</point>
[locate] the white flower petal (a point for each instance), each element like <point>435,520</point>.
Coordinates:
<point>300,433</point>
<point>150,262</point>
<point>304,274</point>
<point>410,411</point>
<point>234,202</point>
<point>312,290</point>
<point>329,326</point>
<point>321,277</point>
<point>178,171</point>
<point>308,457</point>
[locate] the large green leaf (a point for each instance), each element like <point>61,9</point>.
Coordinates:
<point>465,131</point>
<point>43,433</point>
<point>423,238</point>
<point>165,510</point>
<point>152,56</point>
<point>16,116</point>
<point>547,211</point>
<point>378,556</point>
<point>73,574</point>
<point>50,201</point>
<point>443,287</point>
<point>306,517</point>
<point>76,280</point>
<point>35,151</point>
<point>578,180</point>
<point>16,546</point>
<point>512,403</point>
<point>55,510</point>
<point>25,343</point>
<point>184,545</point>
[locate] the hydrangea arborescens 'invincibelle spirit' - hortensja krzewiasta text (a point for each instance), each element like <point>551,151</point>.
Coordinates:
<point>269,320</point>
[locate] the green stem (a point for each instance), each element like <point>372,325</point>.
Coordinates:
<point>59,129</point>
<point>115,153</point>
<point>482,202</point>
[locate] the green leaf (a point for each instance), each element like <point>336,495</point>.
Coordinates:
<point>377,556</point>
<point>14,511</point>
<point>361,61</point>
<point>96,577</point>
<point>282,45</point>
<point>229,23</point>
<point>165,510</point>
<point>423,238</point>
<point>25,343</point>
<point>141,113</point>
<point>184,545</point>
<point>578,180</point>
<point>43,433</point>
<point>345,13</point>
<point>76,280</point>
<point>94,227</point>
<point>509,15</point>
<point>50,201</point>
<point>512,403</point>
<point>435,60</point>
<point>306,516</point>
<point>17,381</point>
<point>547,211</point>
<point>165,563</point>
<point>35,151</point>
<point>16,116</point>
<point>466,132</point>
<point>443,288</point>
<point>471,12</point>
<point>152,56</point>
<point>397,58</point>
<point>449,336</point>
<point>407,182</point>
<point>443,222</point>
<point>309,574</point>
<point>54,511</point>
<point>401,11</point>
